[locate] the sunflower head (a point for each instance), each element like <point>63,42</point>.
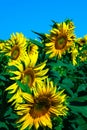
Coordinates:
<point>32,51</point>
<point>60,40</point>
<point>31,48</point>
<point>34,75</point>
<point>15,47</point>
<point>38,109</point>
<point>82,45</point>
<point>83,56</point>
<point>29,74</point>
<point>82,40</point>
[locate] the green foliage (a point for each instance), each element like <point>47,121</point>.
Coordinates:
<point>24,87</point>
<point>7,116</point>
<point>36,42</point>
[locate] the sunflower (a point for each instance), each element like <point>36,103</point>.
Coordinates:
<point>60,40</point>
<point>82,40</point>
<point>83,56</point>
<point>15,47</point>
<point>82,43</point>
<point>28,74</point>
<point>38,108</point>
<point>32,51</point>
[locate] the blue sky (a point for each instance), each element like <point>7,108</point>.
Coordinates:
<point>26,15</point>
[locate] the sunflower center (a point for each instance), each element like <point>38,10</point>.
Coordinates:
<point>82,41</point>
<point>40,107</point>
<point>28,76</point>
<point>61,42</point>
<point>15,52</point>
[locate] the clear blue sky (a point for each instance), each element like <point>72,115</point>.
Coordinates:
<point>26,15</point>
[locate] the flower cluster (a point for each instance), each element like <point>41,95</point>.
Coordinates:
<point>42,85</point>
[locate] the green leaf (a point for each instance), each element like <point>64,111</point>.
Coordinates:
<point>79,109</point>
<point>36,43</point>
<point>12,67</point>
<point>3,78</point>
<point>82,87</point>
<point>58,128</point>
<point>24,87</point>
<point>67,85</point>
<point>12,116</point>
<point>3,125</point>
<point>0,92</point>
<point>68,82</point>
<point>79,99</point>
<point>57,123</point>
<point>55,74</point>
<point>82,127</point>
<point>9,114</point>
<point>81,123</point>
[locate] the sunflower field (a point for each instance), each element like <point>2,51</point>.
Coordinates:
<point>43,81</point>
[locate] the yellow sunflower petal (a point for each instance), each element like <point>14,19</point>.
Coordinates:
<point>12,88</point>
<point>28,97</point>
<point>42,72</point>
<point>26,123</point>
<point>23,118</point>
<point>50,44</point>
<point>40,66</point>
